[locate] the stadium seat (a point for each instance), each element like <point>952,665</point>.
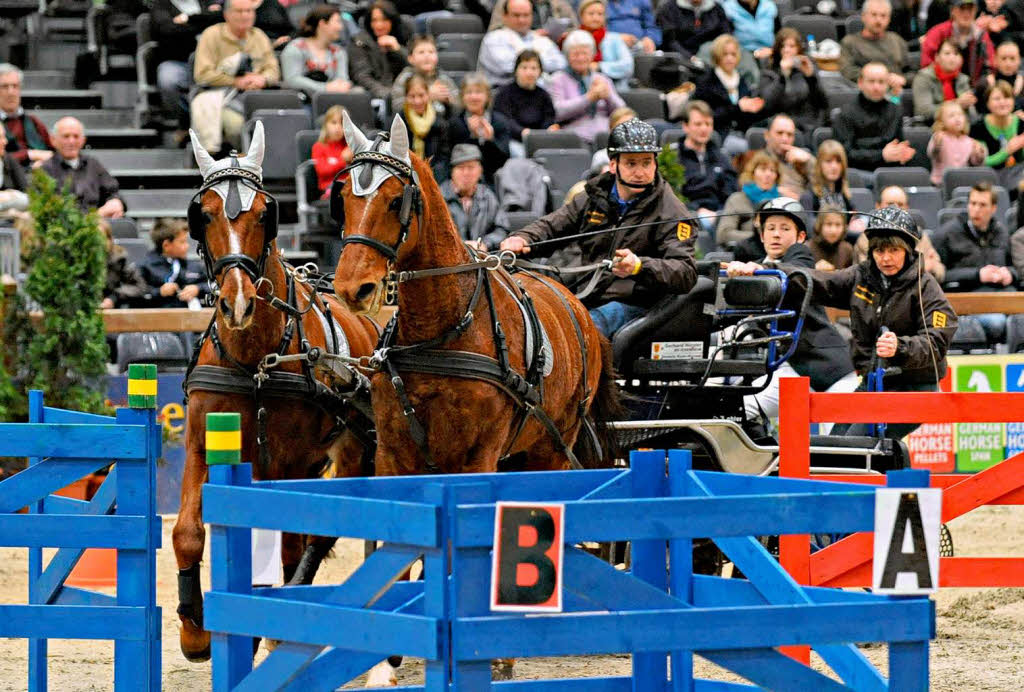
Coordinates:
<point>270,99</point>
<point>953,178</point>
<point>927,200</point>
<point>559,139</point>
<point>863,199</point>
<point>47,79</point>
<point>10,252</point>
<point>566,167</point>
<point>448,61</point>
<point>908,176</point>
<point>306,193</point>
<point>279,127</point>
<point>61,98</point>
<point>819,135</point>
<point>138,158</point>
<point>950,214</point>
<point>755,138</point>
<point>648,103</point>
<point>304,141</point>
<point>1015,333</point>
<point>672,137</point>
<point>600,141</point>
<point>135,247</point>
<point>152,204</point>
<point>455,24</point>
<point>969,337</point>
<point>643,63</point>
<point>854,24</point>
<point>466,43</point>
<point>123,229</point>
<point>841,98</point>
<point>163,349</point>
<point>817,25</point>
<point>358,105</point>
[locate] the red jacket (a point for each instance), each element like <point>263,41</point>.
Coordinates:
<point>974,65</point>
<point>328,159</point>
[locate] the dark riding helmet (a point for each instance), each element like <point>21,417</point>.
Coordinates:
<point>633,137</point>
<point>783,206</point>
<point>892,220</point>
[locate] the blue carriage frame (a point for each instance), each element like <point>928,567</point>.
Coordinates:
<point>659,612</point>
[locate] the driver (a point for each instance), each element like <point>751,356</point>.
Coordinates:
<point>821,354</point>
<point>647,261</point>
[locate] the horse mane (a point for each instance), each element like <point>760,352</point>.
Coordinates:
<point>435,206</point>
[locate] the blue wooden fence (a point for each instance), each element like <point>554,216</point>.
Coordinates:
<point>660,612</point>
<point>62,447</point>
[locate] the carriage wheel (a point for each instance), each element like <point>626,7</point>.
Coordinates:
<point>945,542</point>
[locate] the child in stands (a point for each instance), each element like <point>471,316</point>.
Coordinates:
<point>829,245</point>
<point>331,153</point>
<point>950,145</point>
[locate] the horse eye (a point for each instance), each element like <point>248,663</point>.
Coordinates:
<point>395,204</point>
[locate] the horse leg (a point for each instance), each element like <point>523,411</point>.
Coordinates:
<point>189,537</point>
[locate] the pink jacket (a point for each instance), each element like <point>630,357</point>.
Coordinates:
<point>948,151</point>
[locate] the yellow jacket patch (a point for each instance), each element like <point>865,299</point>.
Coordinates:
<point>938,319</point>
<point>683,231</point>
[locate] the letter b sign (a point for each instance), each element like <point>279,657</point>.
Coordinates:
<point>526,572</point>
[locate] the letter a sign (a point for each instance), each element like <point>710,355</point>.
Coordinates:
<point>526,572</point>
<point>907,522</point>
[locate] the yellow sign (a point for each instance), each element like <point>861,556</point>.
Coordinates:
<point>683,231</point>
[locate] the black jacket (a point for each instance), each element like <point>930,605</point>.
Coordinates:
<point>797,95</point>
<point>272,19</point>
<point>924,327</point>
<point>821,354</point>
<point>494,150</point>
<point>865,127</point>
<point>178,41</point>
<point>91,183</point>
<point>156,269</point>
<point>14,174</point>
<point>728,115</point>
<point>372,68</point>
<point>965,252</point>
<point>707,183</point>
<point>684,31</point>
<point>665,249</point>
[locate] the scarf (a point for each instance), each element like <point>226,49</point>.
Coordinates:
<point>731,83</point>
<point>947,79</point>
<point>583,82</point>
<point>28,125</point>
<point>420,126</point>
<point>756,195</point>
<point>598,35</point>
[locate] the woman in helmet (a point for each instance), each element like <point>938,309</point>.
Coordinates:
<point>821,354</point>
<point>653,253</point>
<point>899,316</point>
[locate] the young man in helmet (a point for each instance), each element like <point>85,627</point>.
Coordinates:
<point>899,315</point>
<point>651,253</point>
<point>821,354</point>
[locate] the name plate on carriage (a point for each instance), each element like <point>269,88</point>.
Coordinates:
<point>677,350</point>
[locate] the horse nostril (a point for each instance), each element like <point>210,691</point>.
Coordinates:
<point>365,291</point>
<point>225,307</point>
<point>250,307</point>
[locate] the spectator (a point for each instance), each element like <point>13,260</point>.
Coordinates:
<point>545,13</point>
<point>28,142</point>
<point>876,44</point>
<point>829,246</point>
<point>12,181</point>
<point>731,99</point>
<point>871,128</point>
<point>821,353</point>
<point>992,19</point>
<point>759,182</point>
<point>612,54</point>
<point>648,262</point>
<point>1001,132</point>
<point>526,105</point>
<point>423,61</point>
<point>791,85</point>
<point>90,182</point>
<point>331,154</point>
<point>478,124</point>
<point>829,185</point>
<point>172,281</point>
<point>950,145</point>
<point>974,41</point>
<point>634,22</point>
<point>896,196</point>
<point>473,207</point>
<point>314,63</point>
<point>175,26</point>
<point>376,54</point>
<point>1007,70</point>
<point>908,20</point>
<point>500,46</point>
<point>942,81</point>
<point>428,130</point>
<point>795,163</point>
<point>124,287</point>
<point>272,19</point>
<point>688,24</point>
<point>231,57</point>
<point>709,175</point>
<point>583,97</point>
<point>753,24</point>
<point>976,252</point>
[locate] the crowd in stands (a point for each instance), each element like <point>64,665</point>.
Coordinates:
<point>752,112</point>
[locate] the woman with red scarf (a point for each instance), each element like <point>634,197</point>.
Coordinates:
<point>612,58</point>
<point>942,81</point>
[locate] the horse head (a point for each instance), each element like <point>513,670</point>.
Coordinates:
<point>380,215</point>
<point>234,220</point>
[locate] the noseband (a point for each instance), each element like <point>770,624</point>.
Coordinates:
<point>411,200</point>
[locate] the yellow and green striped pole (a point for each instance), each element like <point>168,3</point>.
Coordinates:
<point>141,386</point>
<point>223,438</point>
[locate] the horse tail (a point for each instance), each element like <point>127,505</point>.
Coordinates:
<point>597,445</point>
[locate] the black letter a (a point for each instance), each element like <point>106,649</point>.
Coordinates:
<point>898,561</point>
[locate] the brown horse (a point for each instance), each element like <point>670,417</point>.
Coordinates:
<point>464,421</point>
<point>234,220</point>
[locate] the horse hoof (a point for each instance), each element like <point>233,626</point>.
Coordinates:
<point>503,669</point>
<point>382,675</point>
<point>195,642</point>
